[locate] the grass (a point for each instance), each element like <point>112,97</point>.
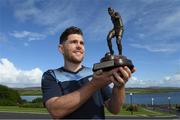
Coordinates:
<point>152,90</point>
<point>20,109</point>
<point>141,112</point>
<point>30,92</point>
<point>37,90</point>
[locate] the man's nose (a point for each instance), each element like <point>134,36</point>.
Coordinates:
<point>79,45</point>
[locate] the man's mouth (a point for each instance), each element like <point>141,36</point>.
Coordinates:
<point>78,52</point>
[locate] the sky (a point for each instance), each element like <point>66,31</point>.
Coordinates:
<point>30,30</point>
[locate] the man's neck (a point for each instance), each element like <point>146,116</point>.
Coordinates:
<point>74,67</point>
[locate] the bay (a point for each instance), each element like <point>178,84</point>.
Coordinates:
<point>158,98</point>
<point>30,98</point>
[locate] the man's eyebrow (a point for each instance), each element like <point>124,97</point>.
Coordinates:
<point>77,40</point>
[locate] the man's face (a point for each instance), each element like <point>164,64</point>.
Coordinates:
<point>73,48</point>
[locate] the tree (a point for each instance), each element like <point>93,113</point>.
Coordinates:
<point>9,96</point>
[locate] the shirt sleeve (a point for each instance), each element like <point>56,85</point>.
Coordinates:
<point>49,86</point>
<point>106,92</point>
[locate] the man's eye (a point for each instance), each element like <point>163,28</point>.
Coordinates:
<point>73,42</point>
<point>82,43</point>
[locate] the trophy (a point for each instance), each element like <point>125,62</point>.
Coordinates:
<point>110,61</point>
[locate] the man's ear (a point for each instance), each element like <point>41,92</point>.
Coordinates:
<point>61,48</point>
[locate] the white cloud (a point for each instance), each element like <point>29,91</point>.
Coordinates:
<point>167,81</point>
<point>25,10</point>
<point>30,36</point>
<point>135,82</point>
<point>170,24</point>
<point>57,15</point>
<point>3,38</point>
<point>26,44</point>
<point>166,48</point>
<point>14,77</point>
<point>172,80</point>
<point>53,15</point>
<point>155,26</point>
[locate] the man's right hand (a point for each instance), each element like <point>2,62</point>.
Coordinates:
<point>117,75</point>
<point>101,79</point>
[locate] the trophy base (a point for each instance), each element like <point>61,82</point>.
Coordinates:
<point>112,61</point>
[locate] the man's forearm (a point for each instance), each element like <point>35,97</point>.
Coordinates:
<point>116,100</point>
<point>66,104</point>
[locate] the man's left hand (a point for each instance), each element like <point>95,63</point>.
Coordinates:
<point>121,75</point>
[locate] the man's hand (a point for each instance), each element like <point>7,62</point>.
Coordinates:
<point>121,75</point>
<point>100,78</point>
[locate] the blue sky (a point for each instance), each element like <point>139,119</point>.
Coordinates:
<point>30,29</point>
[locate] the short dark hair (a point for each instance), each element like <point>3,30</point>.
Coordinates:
<point>68,31</point>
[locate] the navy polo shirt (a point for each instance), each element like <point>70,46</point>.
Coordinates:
<point>58,82</point>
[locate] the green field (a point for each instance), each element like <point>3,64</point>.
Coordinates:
<point>141,112</point>
<point>29,91</point>
<point>37,90</point>
<point>21,109</point>
<point>152,90</point>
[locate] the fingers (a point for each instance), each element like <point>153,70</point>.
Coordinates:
<point>125,73</point>
<point>118,81</point>
<point>103,73</point>
<point>99,72</point>
<point>114,81</point>
<point>133,70</point>
<point>128,71</point>
<point>121,75</point>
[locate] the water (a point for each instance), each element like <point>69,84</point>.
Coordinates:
<point>29,98</point>
<point>159,98</point>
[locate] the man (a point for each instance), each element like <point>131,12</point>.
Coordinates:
<point>73,91</point>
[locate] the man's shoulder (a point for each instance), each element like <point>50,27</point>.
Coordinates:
<point>63,75</point>
<point>49,73</point>
<point>86,71</point>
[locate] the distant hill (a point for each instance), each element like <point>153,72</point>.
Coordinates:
<point>29,91</point>
<point>9,96</point>
<point>37,90</point>
<point>152,90</point>
<point>28,88</point>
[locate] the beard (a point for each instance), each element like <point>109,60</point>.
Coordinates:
<point>73,59</point>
